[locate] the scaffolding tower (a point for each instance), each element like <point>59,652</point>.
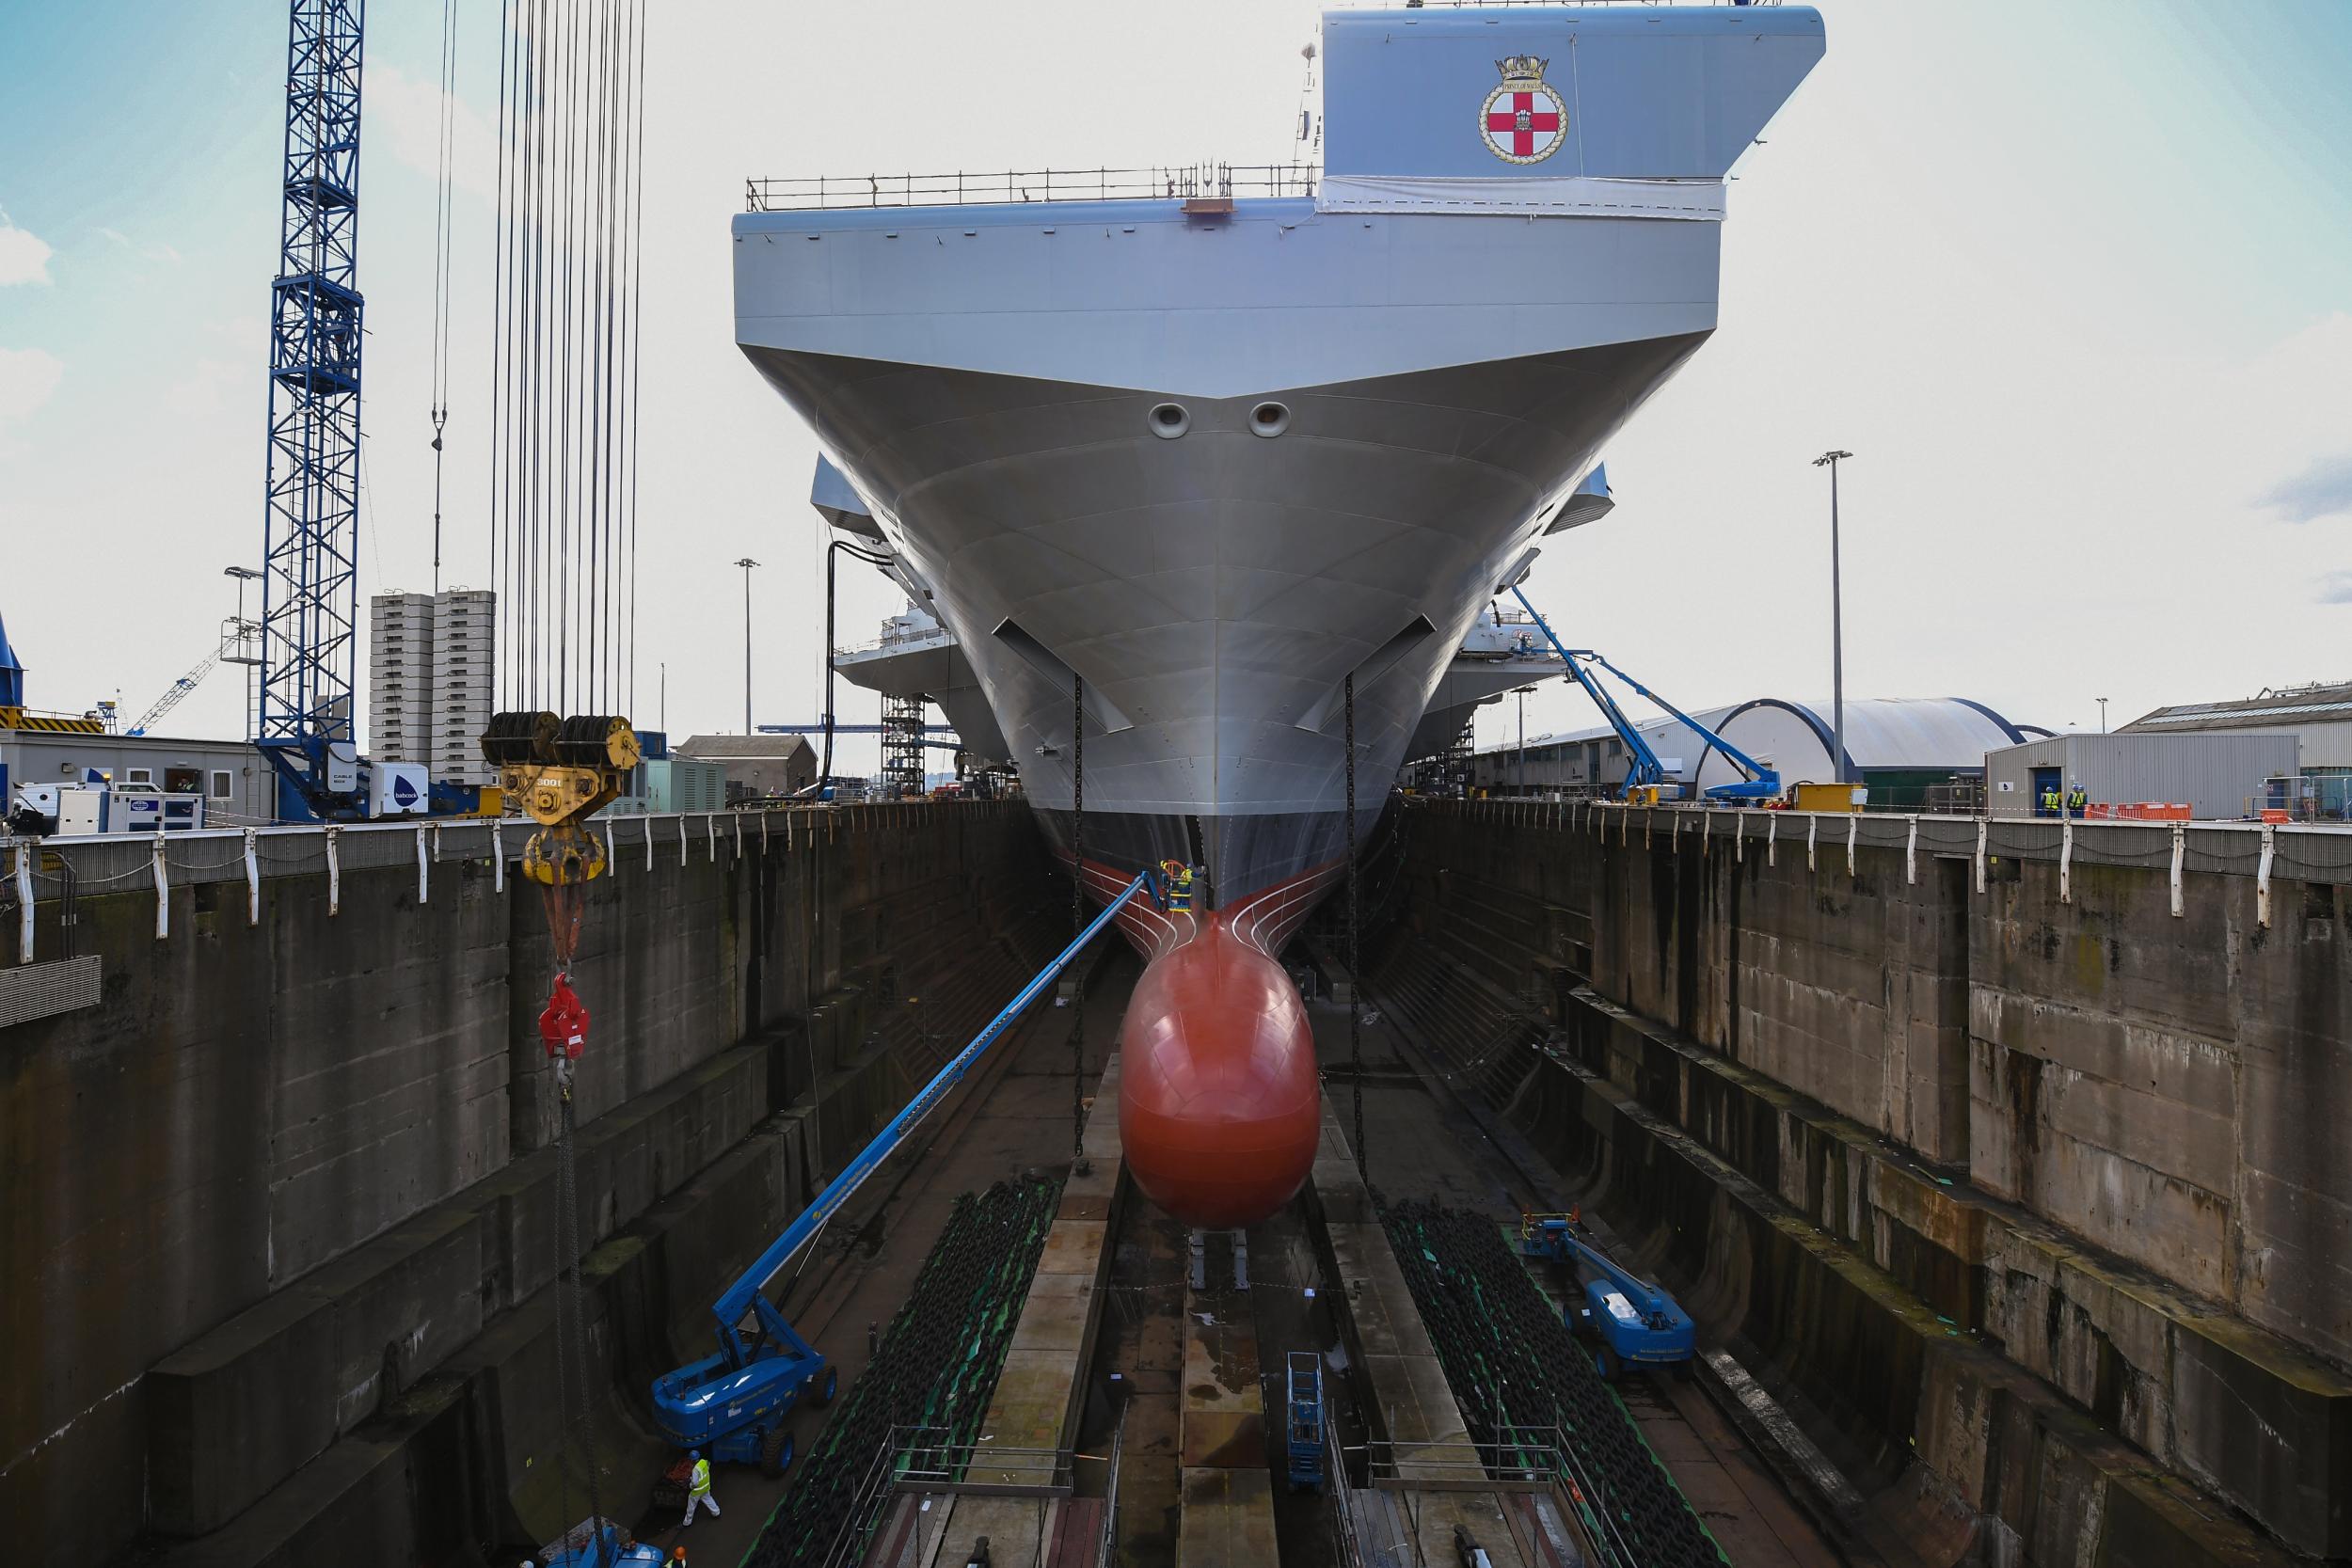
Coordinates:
<point>902,746</point>
<point>1447,775</point>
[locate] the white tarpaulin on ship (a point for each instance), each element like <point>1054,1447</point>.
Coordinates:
<point>1697,200</point>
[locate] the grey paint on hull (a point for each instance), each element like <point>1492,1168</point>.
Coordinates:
<point>1134,295</point>
<point>986,376</point>
<point>1213,591</point>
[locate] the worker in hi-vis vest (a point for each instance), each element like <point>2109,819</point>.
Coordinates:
<point>1179,877</point>
<point>2050,801</point>
<point>698,1490</point>
<point>2077,800</point>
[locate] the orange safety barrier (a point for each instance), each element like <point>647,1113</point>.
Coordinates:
<point>2141,811</point>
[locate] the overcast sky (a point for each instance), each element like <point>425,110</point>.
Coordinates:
<point>2069,281</point>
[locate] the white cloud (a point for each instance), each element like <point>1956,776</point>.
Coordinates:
<point>408,114</point>
<point>27,377</point>
<point>158,251</point>
<point>24,255</point>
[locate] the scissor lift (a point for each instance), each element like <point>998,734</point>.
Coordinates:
<point>1306,1420</point>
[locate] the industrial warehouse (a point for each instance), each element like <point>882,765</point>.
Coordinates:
<point>871,888</point>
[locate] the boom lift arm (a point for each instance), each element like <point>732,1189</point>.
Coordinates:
<point>1762,782</point>
<point>733,1402</point>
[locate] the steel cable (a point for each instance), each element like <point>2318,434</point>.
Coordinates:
<point>1077,914</point>
<point>1354,977</point>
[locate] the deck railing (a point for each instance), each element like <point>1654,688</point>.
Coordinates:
<point>830,192</point>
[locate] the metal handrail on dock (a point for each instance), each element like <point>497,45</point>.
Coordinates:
<point>914,1460</point>
<point>1459,1464</point>
<point>1167,183</point>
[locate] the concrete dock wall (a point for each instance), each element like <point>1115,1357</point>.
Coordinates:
<point>2083,1130</point>
<point>297,1154</point>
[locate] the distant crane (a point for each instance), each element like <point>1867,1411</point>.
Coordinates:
<point>237,638</point>
<point>310,598</point>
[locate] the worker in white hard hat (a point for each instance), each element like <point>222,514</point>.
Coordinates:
<point>698,1489</point>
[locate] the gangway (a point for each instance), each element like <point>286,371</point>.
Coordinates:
<point>1648,772</point>
<point>733,1405</point>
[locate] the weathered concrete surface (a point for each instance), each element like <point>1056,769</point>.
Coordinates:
<point>2175,1089</point>
<point>2138,1102</point>
<point>473,1453</point>
<point>251,1105</point>
<point>1412,1407</point>
<point>240,1409</point>
<point>1041,1390</point>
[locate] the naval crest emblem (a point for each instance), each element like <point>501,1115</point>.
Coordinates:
<point>1524,121</point>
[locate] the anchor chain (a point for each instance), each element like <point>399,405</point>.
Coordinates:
<point>1354,974</point>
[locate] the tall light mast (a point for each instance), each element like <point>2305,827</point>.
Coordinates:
<point>310,600</point>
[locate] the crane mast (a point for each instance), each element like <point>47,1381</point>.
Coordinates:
<point>311,585</point>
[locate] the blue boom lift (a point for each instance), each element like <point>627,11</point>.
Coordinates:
<point>733,1405</point>
<point>1637,1322</point>
<point>1647,773</point>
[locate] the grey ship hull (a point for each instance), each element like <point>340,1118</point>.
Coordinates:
<point>1215,592</point>
<point>1442,347</point>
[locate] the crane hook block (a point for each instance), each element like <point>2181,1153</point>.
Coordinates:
<point>563,855</point>
<point>563,1023</point>
<point>561,772</point>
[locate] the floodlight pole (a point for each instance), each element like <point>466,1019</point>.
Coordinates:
<point>1837,626</point>
<point>747,563</point>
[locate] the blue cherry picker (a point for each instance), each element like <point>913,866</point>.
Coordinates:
<point>1648,774</point>
<point>734,1405</point>
<point>1636,1321</point>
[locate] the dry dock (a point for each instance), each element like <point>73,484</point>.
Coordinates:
<point>1994,1172</point>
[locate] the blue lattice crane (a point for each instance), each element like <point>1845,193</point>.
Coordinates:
<point>311,590</point>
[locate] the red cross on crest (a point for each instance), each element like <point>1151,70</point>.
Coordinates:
<point>1524,121</point>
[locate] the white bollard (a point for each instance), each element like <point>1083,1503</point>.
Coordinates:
<point>2180,850</point>
<point>334,870</point>
<point>2262,875</point>
<point>25,903</point>
<point>163,890</point>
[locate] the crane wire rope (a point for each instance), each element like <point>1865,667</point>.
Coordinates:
<point>442,215</point>
<point>565,333</point>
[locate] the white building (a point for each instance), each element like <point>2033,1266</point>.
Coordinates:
<point>465,648</point>
<point>432,664</point>
<point>399,677</point>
